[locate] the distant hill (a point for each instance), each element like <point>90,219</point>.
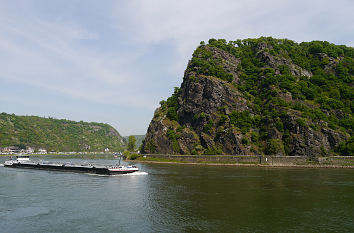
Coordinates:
<point>139,139</point>
<point>260,96</point>
<point>57,135</point>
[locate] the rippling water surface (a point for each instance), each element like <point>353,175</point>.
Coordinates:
<point>177,198</point>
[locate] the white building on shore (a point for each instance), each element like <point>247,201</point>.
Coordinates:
<point>42,151</point>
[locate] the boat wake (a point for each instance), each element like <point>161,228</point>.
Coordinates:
<point>1,165</point>
<point>129,174</point>
<point>134,174</point>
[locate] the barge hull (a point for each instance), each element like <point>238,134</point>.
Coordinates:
<point>69,168</point>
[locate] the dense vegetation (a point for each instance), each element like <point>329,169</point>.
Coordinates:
<point>310,81</point>
<point>139,140</point>
<point>325,96</point>
<point>131,143</point>
<point>57,135</point>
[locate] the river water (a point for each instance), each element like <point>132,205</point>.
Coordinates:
<point>178,198</point>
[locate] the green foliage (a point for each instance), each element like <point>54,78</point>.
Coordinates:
<point>208,126</point>
<point>172,113</point>
<point>173,100</point>
<point>254,137</point>
<point>347,123</point>
<point>171,134</point>
<point>245,141</point>
<point>286,141</point>
<point>198,148</point>
<point>139,140</point>
<point>274,146</point>
<point>329,90</point>
<point>347,148</point>
<point>203,115</point>
<point>223,119</point>
<point>279,125</point>
<point>213,151</point>
<point>57,135</point>
<point>132,156</point>
<point>300,122</point>
<point>193,78</point>
<point>150,146</point>
<point>180,129</point>
<point>242,120</point>
<point>172,104</point>
<point>131,143</point>
<point>204,63</point>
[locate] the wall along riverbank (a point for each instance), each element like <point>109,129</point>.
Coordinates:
<point>252,160</point>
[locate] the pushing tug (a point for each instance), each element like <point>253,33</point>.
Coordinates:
<point>24,162</point>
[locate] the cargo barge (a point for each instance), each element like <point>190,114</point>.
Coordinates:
<point>24,162</point>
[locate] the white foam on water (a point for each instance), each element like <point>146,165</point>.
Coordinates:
<point>134,174</point>
<point>128,174</point>
<point>93,174</point>
<point>1,165</point>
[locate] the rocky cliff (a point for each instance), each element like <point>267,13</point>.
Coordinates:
<point>259,96</point>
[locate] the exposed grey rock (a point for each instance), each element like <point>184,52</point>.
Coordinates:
<point>204,100</point>
<point>274,62</point>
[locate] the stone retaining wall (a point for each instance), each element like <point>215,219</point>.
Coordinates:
<point>337,160</point>
<point>241,159</point>
<point>257,159</point>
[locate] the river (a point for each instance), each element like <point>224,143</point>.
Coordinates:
<point>178,198</point>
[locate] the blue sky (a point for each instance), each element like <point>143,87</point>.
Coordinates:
<point>113,61</point>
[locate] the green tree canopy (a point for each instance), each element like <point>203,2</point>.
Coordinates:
<point>131,143</point>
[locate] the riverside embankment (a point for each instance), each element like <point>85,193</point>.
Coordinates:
<point>252,160</point>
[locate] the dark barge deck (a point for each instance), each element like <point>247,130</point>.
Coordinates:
<point>96,169</point>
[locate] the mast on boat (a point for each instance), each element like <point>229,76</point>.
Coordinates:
<point>120,156</point>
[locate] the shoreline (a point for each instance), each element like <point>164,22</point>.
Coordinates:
<point>63,155</point>
<point>244,164</point>
<point>235,161</point>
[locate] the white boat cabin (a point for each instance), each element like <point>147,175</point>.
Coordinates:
<point>22,158</point>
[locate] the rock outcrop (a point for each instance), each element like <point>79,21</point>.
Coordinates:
<point>258,96</point>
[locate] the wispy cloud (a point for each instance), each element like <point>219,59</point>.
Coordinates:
<point>131,53</point>
<point>49,55</point>
<point>185,23</point>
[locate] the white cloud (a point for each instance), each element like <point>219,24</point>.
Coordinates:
<point>187,22</point>
<point>51,54</point>
<point>47,54</point>
<point>131,53</point>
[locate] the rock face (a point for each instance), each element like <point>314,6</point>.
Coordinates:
<point>258,96</point>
